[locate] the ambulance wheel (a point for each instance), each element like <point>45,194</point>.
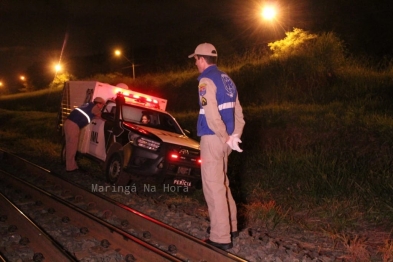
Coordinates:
<point>114,171</point>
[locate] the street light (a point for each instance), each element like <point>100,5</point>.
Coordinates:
<point>24,83</point>
<point>118,53</point>
<point>269,12</point>
<point>272,10</point>
<point>58,68</point>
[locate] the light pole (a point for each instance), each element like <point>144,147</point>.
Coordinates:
<point>118,53</point>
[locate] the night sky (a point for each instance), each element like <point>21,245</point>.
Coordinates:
<point>154,33</point>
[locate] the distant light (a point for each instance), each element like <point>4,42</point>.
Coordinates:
<point>117,52</point>
<point>269,12</point>
<point>58,67</point>
<point>1,83</point>
<point>23,78</point>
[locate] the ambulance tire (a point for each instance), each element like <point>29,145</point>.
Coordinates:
<point>114,171</point>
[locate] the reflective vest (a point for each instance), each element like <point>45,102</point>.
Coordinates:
<point>82,115</point>
<point>226,99</point>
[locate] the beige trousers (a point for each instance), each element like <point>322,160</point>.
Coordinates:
<point>71,131</point>
<point>218,196</point>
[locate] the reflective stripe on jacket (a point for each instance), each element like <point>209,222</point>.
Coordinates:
<point>82,115</point>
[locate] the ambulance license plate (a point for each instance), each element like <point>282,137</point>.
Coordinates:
<point>183,170</point>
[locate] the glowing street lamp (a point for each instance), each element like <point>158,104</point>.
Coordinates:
<point>118,53</point>
<point>58,68</point>
<point>269,12</point>
<point>23,78</point>
<point>274,11</point>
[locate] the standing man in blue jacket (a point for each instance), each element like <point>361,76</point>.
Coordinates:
<point>220,126</point>
<point>78,119</point>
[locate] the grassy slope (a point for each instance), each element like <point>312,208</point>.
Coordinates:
<point>293,152</point>
<point>318,145</point>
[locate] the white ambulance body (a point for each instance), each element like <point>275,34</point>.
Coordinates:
<point>125,146</point>
<point>77,93</point>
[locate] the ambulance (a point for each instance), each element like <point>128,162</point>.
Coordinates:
<point>127,148</point>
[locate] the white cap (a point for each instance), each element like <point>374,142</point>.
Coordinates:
<point>99,100</point>
<point>204,49</point>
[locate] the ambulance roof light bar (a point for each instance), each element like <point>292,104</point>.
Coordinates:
<point>148,102</point>
<point>155,102</point>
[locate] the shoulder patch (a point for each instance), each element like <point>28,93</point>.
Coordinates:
<point>202,89</point>
<point>229,85</point>
<point>204,101</point>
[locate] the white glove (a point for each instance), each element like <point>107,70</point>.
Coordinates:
<point>230,142</point>
<point>234,141</point>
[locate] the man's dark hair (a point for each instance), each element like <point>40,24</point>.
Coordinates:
<point>209,59</point>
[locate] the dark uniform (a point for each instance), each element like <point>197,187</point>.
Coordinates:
<point>78,119</point>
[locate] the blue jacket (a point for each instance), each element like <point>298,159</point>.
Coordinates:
<point>226,95</point>
<point>79,118</point>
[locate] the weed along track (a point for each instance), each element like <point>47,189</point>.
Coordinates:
<point>77,224</point>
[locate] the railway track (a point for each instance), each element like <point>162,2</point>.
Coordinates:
<point>109,227</point>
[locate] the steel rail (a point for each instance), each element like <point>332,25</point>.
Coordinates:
<point>39,240</point>
<point>187,247</point>
<point>2,258</point>
<point>97,228</point>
